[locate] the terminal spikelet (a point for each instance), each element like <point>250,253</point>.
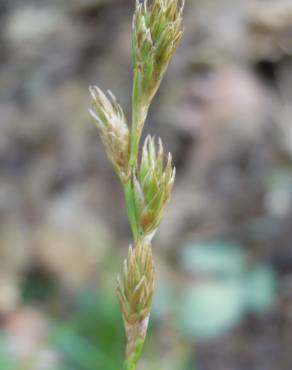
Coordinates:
<point>157,31</point>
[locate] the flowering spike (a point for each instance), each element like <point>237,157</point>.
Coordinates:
<point>152,186</point>
<point>113,128</point>
<point>157,29</point>
<point>135,294</point>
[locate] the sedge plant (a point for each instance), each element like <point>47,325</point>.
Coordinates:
<point>147,179</point>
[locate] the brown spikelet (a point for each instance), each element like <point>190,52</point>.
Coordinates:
<point>135,293</point>
<point>152,186</point>
<point>135,289</point>
<point>113,129</point>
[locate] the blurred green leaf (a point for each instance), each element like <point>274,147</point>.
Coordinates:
<point>261,289</point>
<point>6,362</point>
<point>92,338</point>
<point>38,287</point>
<point>210,308</point>
<point>215,257</point>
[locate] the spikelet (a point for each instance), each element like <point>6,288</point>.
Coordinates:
<point>157,31</point>
<point>113,129</point>
<point>152,186</point>
<point>135,292</point>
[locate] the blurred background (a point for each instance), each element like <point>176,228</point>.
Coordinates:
<point>224,251</point>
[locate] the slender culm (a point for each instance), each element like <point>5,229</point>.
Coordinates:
<point>147,182</point>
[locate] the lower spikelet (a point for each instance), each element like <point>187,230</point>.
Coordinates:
<point>135,292</point>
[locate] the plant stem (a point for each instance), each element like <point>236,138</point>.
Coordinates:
<point>131,362</point>
<point>128,191</point>
<point>139,114</point>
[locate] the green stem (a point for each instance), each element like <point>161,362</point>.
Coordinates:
<point>130,365</point>
<point>139,114</point>
<point>130,203</point>
<point>132,360</point>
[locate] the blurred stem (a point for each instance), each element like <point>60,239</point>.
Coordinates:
<point>130,203</point>
<point>132,360</point>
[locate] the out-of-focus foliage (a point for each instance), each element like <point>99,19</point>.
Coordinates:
<point>224,288</point>
<point>260,288</point>
<point>217,258</point>
<point>92,336</point>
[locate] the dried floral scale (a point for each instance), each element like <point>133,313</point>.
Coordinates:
<point>147,181</point>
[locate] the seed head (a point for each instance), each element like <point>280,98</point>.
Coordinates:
<point>157,31</point>
<point>152,186</point>
<point>113,128</point>
<point>136,289</point>
<point>135,293</point>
